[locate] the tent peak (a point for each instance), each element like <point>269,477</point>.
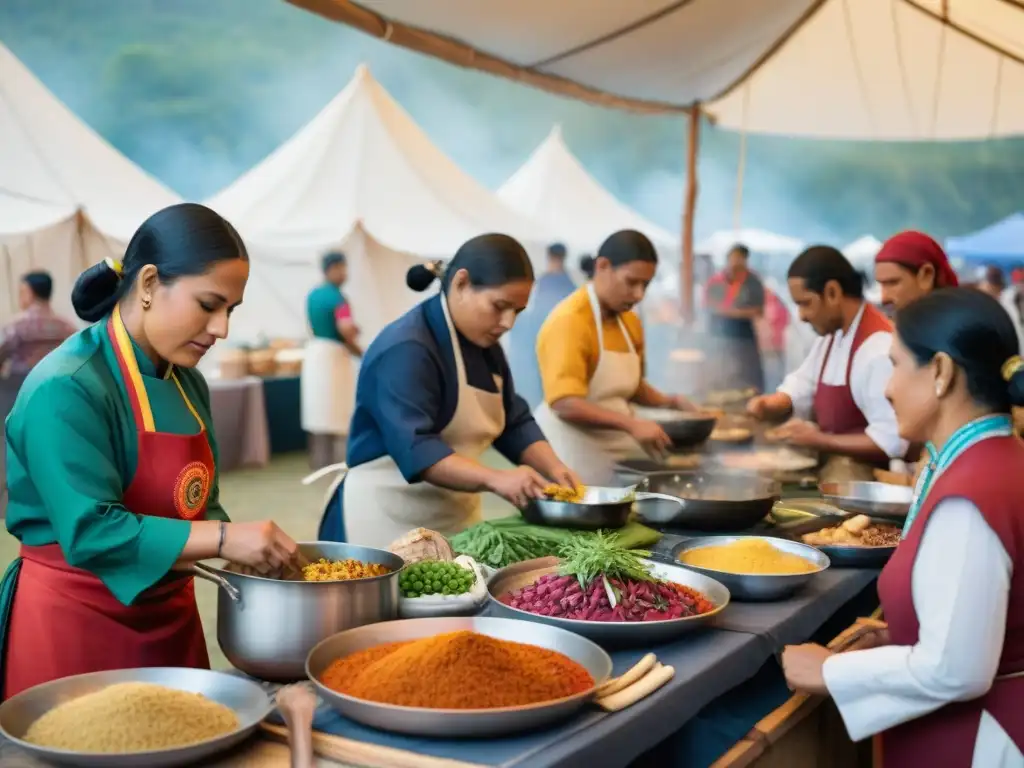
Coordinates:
<point>363,72</point>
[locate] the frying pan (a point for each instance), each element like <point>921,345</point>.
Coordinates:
<point>683,428</point>
<point>711,501</point>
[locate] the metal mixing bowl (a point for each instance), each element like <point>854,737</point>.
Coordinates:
<point>268,630</point>
<point>450,723</point>
<point>612,633</point>
<point>249,702</point>
<point>756,586</point>
<point>601,508</point>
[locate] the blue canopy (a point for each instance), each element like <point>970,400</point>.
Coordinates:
<point>1001,243</point>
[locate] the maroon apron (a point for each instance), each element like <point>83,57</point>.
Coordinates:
<point>64,620</point>
<point>988,475</point>
<point>835,410</point>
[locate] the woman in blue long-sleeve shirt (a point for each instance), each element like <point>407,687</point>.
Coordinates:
<point>434,393</point>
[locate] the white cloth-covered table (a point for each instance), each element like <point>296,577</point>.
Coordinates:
<point>240,422</point>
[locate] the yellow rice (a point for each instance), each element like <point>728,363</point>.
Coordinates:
<point>132,717</point>
<point>753,556</point>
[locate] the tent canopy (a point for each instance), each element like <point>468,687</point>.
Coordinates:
<point>864,69</point>
<point>362,177</point>
<point>363,161</point>
<point>52,165</point>
<point>554,188</point>
<point>67,198</point>
<point>1002,242</point>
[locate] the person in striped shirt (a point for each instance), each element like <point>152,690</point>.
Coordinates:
<point>36,331</point>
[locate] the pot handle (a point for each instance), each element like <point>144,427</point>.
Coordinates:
<point>208,574</point>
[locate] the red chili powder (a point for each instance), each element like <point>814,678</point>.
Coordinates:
<point>458,670</point>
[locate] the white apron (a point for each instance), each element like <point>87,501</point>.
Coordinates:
<point>593,452</point>
<point>327,387</point>
<point>380,505</point>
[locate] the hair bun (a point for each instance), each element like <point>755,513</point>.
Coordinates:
<point>1013,372</point>
<point>587,266</point>
<point>421,276</point>
<point>95,292</point>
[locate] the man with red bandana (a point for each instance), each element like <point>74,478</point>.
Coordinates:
<point>910,265</point>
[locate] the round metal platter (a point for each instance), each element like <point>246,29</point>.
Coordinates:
<point>449,723</point>
<point>248,700</point>
<point>612,633</point>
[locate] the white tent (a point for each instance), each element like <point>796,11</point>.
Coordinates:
<point>757,240</point>
<point>363,177</point>
<point>554,188</point>
<point>862,69</point>
<point>67,198</point>
<point>862,251</point>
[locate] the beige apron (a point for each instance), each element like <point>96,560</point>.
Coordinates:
<point>380,505</point>
<point>592,453</point>
<point>327,388</point>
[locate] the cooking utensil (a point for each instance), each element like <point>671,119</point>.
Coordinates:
<point>839,555</point>
<point>352,752</point>
<point>883,500</point>
<point>612,633</point>
<point>646,684</point>
<point>245,697</point>
<point>756,587</point>
<point>630,676</point>
<point>788,511</point>
<point>601,508</point>
<point>684,428</point>
<point>448,723</point>
<point>710,501</point>
<point>266,627</point>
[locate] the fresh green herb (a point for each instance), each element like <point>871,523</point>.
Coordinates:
<point>601,554</point>
<point>499,546</point>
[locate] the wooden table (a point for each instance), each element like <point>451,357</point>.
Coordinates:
<point>268,750</point>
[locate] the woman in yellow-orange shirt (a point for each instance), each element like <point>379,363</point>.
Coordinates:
<point>590,354</point>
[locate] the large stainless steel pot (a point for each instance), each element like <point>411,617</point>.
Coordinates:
<point>267,627</point>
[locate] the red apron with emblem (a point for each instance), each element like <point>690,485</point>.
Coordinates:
<point>986,474</point>
<point>64,620</point>
<point>835,410</point>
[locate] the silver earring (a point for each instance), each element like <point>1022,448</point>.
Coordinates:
<point>938,389</point>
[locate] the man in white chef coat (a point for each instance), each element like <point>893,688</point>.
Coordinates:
<point>837,395</point>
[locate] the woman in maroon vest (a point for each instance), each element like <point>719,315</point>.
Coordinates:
<point>944,685</point>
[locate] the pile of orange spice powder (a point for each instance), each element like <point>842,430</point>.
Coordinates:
<point>458,670</point>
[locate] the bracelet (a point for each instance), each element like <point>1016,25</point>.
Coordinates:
<point>223,534</point>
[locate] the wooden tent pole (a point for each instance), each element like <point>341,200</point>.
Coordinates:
<point>689,209</point>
